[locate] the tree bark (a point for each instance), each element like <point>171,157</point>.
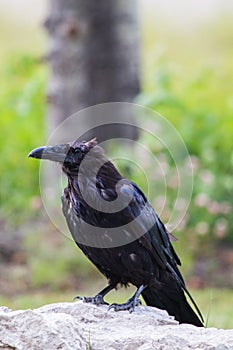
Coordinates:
<point>94,58</point>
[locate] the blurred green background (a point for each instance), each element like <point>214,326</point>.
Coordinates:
<point>187,77</point>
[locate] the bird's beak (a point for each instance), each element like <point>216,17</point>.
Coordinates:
<point>55,153</point>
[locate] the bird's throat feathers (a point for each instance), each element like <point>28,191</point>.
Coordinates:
<point>95,178</point>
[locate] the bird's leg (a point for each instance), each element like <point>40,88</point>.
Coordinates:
<point>131,303</point>
<point>98,299</point>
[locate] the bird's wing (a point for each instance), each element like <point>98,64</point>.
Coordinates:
<point>156,240</point>
<point>150,230</point>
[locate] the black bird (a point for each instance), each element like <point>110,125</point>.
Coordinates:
<point>115,226</point>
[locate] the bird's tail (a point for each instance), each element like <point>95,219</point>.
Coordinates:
<point>170,297</point>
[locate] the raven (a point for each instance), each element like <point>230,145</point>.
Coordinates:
<point>115,226</point>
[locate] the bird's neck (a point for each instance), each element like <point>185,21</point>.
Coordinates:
<point>106,176</point>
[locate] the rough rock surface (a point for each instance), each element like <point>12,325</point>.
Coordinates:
<point>80,326</point>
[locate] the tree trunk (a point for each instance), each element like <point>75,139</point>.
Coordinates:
<point>94,58</point>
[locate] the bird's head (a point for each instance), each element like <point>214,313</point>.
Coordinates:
<point>69,155</point>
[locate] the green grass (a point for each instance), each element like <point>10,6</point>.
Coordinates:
<point>217,303</point>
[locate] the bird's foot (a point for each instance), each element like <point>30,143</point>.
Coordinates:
<point>129,305</point>
<point>96,300</point>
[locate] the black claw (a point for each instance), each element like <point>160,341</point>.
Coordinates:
<point>129,305</point>
<point>96,300</point>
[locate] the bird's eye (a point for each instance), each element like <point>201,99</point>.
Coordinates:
<point>77,151</point>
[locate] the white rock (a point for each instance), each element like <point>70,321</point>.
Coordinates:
<point>80,326</point>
